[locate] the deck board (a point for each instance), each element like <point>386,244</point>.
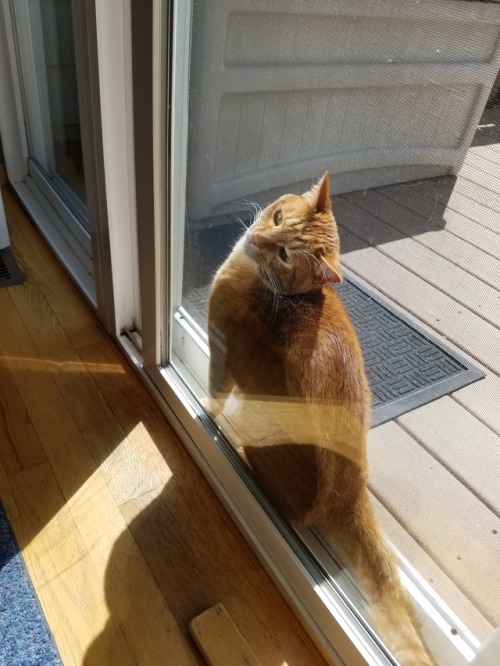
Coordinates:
<point>452,525</point>
<point>462,444</point>
<point>439,190</point>
<point>432,573</point>
<point>479,338</point>
<point>481,399</point>
<point>454,281</point>
<point>435,470</point>
<point>428,214</point>
<point>491,153</point>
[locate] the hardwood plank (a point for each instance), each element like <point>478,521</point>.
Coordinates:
<point>19,444</point>
<point>126,471</point>
<point>140,462</point>
<point>432,573</point>
<point>61,439</point>
<point>466,289</point>
<point>220,640</point>
<point>40,265</point>
<point>456,530</point>
<point>447,430</point>
<point>71,596</point>
<point>6,495</point>
<point>173,530</point>
<point>132,595</point>
<point>478,338</point>
<point>188,539</point>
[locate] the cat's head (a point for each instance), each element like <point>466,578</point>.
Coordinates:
<point>295,242</point>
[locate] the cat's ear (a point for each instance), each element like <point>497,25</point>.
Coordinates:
<point>319,195</point>
<point>329,271</point>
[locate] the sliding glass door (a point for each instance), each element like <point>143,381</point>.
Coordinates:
<point>251,101</point>
<point>50,91</point>
<point>49,88</point>
<point>54,154</point>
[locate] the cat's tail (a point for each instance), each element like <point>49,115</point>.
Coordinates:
<point>357,536</point>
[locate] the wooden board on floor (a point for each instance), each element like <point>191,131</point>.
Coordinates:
<point>219,639</point>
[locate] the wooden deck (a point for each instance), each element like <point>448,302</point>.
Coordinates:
<point>432,248</point>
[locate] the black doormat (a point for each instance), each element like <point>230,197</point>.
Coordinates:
<point>406,366</point>
<point>9,271</point>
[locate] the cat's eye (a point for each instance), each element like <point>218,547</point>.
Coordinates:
<point>278,217</point>
<point>283,254</point>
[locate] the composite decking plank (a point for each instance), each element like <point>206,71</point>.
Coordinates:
<point>480,298</point>
<point>439,189</point>
<point>470,171</point>
<point>432,573</point>
<point>477,337</point>
<point>479,162</point>
<point>474,210</point>
<point>446,429</point>
<point>425,214</point>
<point>481,399</point>
<point>429,231</point>
<point>452,525</point>
<point>490,153</point>
<point>437,211</point>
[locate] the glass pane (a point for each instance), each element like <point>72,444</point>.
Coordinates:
<point>51,96</point>
<point>399,104</point>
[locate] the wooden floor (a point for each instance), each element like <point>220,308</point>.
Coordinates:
<point>122,536</point>
<point>432,248</point>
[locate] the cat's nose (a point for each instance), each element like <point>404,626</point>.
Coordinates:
<point>255,239</point>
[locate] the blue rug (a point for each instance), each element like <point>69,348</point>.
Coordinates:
<point>25,638</point>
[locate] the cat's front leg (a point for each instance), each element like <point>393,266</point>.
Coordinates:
<point>220,378</point>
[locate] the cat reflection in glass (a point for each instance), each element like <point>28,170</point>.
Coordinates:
<point>288,385</point>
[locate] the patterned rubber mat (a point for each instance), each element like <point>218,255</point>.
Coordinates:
<point>9,270</point>
<point>406,366</point>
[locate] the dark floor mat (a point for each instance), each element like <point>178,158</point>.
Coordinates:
<point>406,366</point>
<point>9,271</point>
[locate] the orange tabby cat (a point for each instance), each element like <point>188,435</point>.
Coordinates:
<point>283,347</point>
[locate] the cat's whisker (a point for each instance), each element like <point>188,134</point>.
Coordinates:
<point>253,206</point>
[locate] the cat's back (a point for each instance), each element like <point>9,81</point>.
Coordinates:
<point>322,353</point>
